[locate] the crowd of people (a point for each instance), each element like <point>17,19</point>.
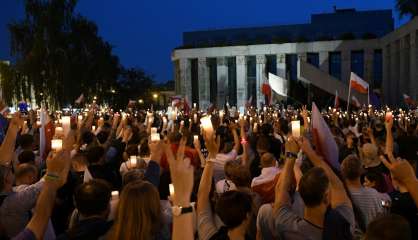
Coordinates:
<point>220,174</point>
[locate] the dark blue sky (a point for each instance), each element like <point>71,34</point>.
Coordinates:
<point>144,32</point>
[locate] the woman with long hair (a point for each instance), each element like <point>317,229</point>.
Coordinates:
<point>139,214</point>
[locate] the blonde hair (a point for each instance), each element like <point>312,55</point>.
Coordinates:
<point>139,212</point>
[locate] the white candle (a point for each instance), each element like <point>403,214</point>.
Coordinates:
<point>195,117</point>
<point>37,123</point>
<point>133,161</point>
<point>194,105</point>
<point>56,144</point>
<point>388,116</point>
<point>155,137</point>
<point>93,128</point>
<point>115,195</point>
<point>296,129</point>
<point>221,114</point>
<point>195,137</point>
<point>171,188</point>
<point>207,125</point>
<point>66,123</point>
<point>80,117</point>
<point>153,130</point>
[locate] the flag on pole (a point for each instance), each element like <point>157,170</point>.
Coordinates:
<point>337,100</point>
<point>249,103</point>
<point>80,99</point>
<point>358,84</point>
<point>355,102</point>
<point>323,139</point>
<point>408,100</point>
<point>266,90</point>
<point>46,134</point>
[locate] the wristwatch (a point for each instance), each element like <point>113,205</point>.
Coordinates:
<point>179,210</point>
<point>291,155</point>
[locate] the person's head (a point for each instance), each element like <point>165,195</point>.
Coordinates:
<point>26,174</point>
<point>263,145</point>
<point>26,141</point>
<point>6,178</point>
<point>267,160</point>
<point>375,180</point>
<point>87,137</point>
<point>102,136</point>
<point>95,154</point>
<point>27,156</point>
<point>133,175</point>
<point>389,227</point>
<point>234,208</point>
<point>349,138</point>
<point>314,188</point>
<point>92,198</point>
<point>370,155</point>
<point>79,162</point>
<point>237,173</point>
<point>351,168</point>
<point>139,212</point>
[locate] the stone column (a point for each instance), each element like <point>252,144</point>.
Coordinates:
<point>222,70</point>
<point>368,66</point>
<point>413,63</point>
<point>281,65</point>
<point>260,77</point>
<point>404,66</point>
<point>345,66</point>
<point>204,85</point>
<point>241,81</point>
<point>386,73</point>
<point>394,78</point>
<point>185,79</point>
<point>324,61</point>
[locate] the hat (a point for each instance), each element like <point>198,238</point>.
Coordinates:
<point>370,155</point>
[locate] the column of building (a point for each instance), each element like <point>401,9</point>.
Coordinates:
<point>368,65</point>
<point>204,85</point>
<point>394,76</point>
<point>185,88</point>
<point>281,71</point>
<point>386,73</point>
<point>241,81</point>
<point>222,80</point>
<point>404,65</point>
<point>260,77</point>
<point>324,61</point>
<point>413,63</point>
<point>345,66</point>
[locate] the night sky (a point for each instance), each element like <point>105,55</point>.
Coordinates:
<point>144,32</point>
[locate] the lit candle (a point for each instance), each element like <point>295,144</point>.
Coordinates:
<point>115,195</point>
<point>388,116</point>
<point>221,114</point>
<point>56,144</point>
<point>194,105</point>
<point>66,123</point>
<point>195,117</point>
<point>133,161</point>
<point>155,137</point>
<point>38,123</point>
<point>80,117</point>
<point>59,131</point>
<point>93,128</point>
<point>171,188</point>
<point>195,137</point>
<point>296,129</point>
<point>164,120</point>
<point>207,125</point>
<point>153,130</point>
<point>182,122</point>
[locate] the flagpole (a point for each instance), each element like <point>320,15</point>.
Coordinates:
<point>368,96</point>
<point>349,94</point>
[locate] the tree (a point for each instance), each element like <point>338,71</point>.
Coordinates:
<point>59,55</point>
<point>407,7</point>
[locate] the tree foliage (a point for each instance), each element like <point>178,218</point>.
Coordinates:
<point>59,55</point>
<point>407,7</point>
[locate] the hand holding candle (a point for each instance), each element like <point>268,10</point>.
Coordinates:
<point>207,125</point>
<point>56,144</point>
<point>296,129</point>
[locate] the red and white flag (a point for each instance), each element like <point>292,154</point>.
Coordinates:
<point>337,100</point>
<point>358,84</point>
<point>408,100</point>
<point>355,102</point>
<point>323,139</point>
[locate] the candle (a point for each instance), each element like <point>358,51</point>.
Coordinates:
<point>182,122</point>
<point>171,188</point>
<point>93,128</point>
<point>66,122</point>
<point>207,125</point>
<point>155,137</point>
<point>194,105</point>
<point>80,117</point>
<point>133,161</point>
<point>296,129</point>
<point>195,117</point>
<point>195,137</point>
<point>37,123</point>
<point>164,120</point>
<point>153,130</point>
<point>56,144</point>
<point>221,114</point>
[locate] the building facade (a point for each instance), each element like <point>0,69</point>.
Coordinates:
<point>210,72</point>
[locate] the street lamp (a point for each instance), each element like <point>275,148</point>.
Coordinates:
<point>141,101</point>
<point>155,96</point>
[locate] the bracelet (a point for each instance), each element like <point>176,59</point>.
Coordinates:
<point>52,177</point>
<point>291,155</point>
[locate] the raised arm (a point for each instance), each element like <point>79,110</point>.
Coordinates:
<point>338,194</point>
<point>389,136</point>
<point>233,128</point>
<point>8,146</point>
<point>286,178</point>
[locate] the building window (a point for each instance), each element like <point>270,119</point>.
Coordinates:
<point>292,67</point>
<point>335,64</point>
<point>377,68</point>
<point>252,79</point>
<point>271,64</point>
<point>213,79</point>
<point>232,81</point>
<point>195,82</point>
<point>357,63</point>
<point>313,59</point>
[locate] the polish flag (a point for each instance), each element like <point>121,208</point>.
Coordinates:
<point>355,102</point>
<point>408,100</point>
<point>358,84</point>
<point>337,100</point>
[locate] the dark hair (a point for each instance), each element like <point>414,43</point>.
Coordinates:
<point>232,207</point>
<point>87,137</point>
<point>92,198</point>
<point>351,168</point>
<point>26,140</point>
<point>26,156</point>
<point>389,227</point>
<point>237,173</point>
<point>24,169</point>
<point>102,136</point>
<point>94,154</point>
<point>313,186</point>
<point>378,179</point>
<point>263,142</point>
